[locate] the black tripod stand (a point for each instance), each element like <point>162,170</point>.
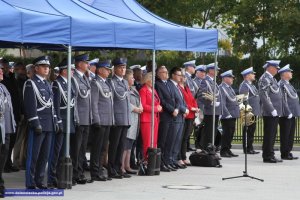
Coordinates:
<point>245,173</point>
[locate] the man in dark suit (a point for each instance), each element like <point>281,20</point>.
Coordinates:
<point>39,112</point>
<point>175,134</point>
<point>60,88</point>
<point>7,126</point>
<point>122,117</point>
<point>103,118</point>
<point>79,140</point>
<point>168,103</point>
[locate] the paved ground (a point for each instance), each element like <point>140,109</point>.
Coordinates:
<point>281,182</point>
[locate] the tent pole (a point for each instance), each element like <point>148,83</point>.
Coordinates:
<point>214,101</point>
<point>67,152</point>
<point>152,100</point>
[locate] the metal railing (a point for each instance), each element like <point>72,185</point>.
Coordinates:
<point>259,133</point>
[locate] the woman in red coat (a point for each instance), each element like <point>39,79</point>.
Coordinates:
<point>145,118</point>
<point>189,119</point>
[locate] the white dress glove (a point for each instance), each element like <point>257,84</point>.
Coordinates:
<point>274,113</point>
<point>228,117</point>
<point>290,116</point>
<point>217,104</point>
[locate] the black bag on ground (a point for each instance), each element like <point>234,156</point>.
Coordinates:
<point>207,158</point>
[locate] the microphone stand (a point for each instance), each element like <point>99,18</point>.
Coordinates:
<point>245,129</point>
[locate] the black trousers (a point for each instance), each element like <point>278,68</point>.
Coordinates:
<point>206,138</point>
<point>99,140</point>
<point>287,134</point>
<point>12,142</point>
<point>228,126</point>
<point>3,155</point>
<point>187,131</point>
<point>250,137</point>
<point>270,132</point>
<point>163,130</point>
<point>78,146</point>
<point>117,138</point>
<point>55,154</point>
<point>38,150</point>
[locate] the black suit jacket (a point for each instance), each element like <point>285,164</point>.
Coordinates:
<point>167,100</point>
<point>179,100</point>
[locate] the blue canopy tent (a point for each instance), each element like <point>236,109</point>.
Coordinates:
<point>22,26</point>
<point>168,36</point>
<point>90,24</point>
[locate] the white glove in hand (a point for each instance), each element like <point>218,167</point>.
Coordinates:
<point>290,116</point>
<point>228,117</point>
<point>217,104</point>
<point>274,113</point>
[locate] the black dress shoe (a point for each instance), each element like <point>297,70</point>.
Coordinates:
<point>90,181</point>
<point>225,154</point>
<point>108,178</point>
<point>294,157</point>
<point>74,182</point>
<point>131,172</point>
<point>164,169</point>
<point>180,166</point>
<point>252,152</point>
<point>31,187</point>
<point>278,160</point>
<point>81,181</point>
<point>51,185</point>
<point>125,175</point>
<point>171,168</point>
<point>232,154</point>
<point>174,166</point>
<point>98,178</point>
<point>7,170</point>
<point>116,176</point>
<point>42,186</point>
<point>270,160</point>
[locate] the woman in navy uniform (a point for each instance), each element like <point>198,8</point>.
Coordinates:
<point>39,111</point>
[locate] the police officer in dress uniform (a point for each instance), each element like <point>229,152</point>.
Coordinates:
<point>200,75</point>
<point>230,112</point>
<point>207,86</point>
<point>60,91</point>
<point>271,106</point>
<point>248,88</point>
<point>92,68</point>
<point>7,126</point>
<point>122,119</point>
<point>103,118</point>
<point>189,71</point>
<point>287,121</point>
<point>79,140</point>
<point>40,113</point>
